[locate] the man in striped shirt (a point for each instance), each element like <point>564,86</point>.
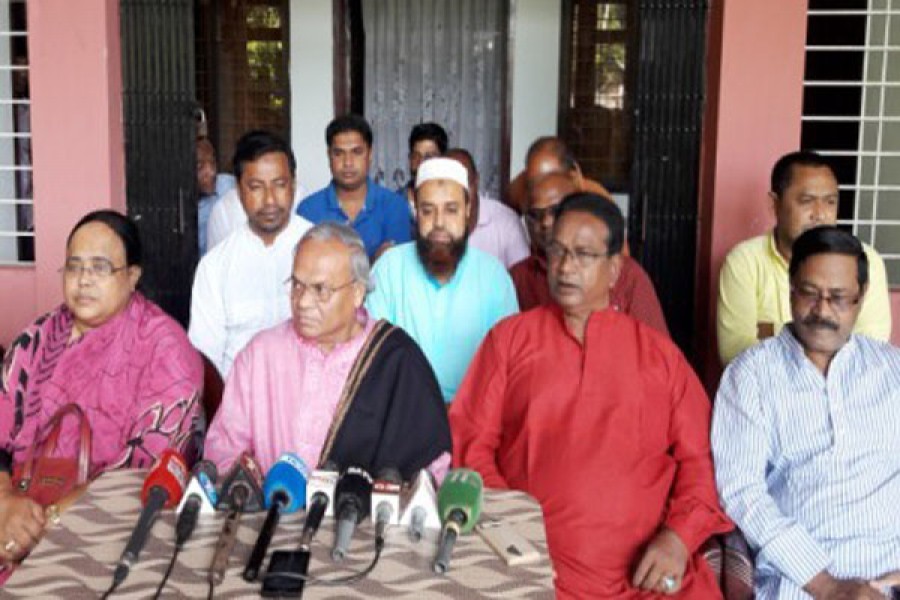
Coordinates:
<point>806,436</point>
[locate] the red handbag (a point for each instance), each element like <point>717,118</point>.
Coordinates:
<point>47,480</point>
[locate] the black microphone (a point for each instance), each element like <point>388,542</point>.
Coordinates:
<point>200,496</point>
<point>241,492</point>
<point>319,492</point>
<point>162,489</point>
<point>285,491</point>
<point>353,495</point>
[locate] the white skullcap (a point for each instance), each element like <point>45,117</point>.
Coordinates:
<point>442,168</point>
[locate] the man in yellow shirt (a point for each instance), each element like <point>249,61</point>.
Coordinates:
<point>754,291</point>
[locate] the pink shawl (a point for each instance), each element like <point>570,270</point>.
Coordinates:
<point>136,377</point>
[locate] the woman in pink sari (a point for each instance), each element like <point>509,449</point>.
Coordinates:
<point>128,365</point>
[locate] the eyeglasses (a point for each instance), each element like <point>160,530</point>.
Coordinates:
<point>99,268</point>
<point>811,297</point>
<point>538,215</point>
<point>321,291</point>
<point>556,252</point>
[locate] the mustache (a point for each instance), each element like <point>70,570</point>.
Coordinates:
<point>437,231</point>
<point>816,322</point>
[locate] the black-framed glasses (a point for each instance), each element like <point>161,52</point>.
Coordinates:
<point>840,302</point>
<point>556,252</point>
<point>99,268</point>
<point>320,291</point>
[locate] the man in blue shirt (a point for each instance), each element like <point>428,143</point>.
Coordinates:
<point>444,293</point>
<point>805,436</point>
<point>380,216</point>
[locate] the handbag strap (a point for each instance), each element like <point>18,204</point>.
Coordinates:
<point>47,445</point>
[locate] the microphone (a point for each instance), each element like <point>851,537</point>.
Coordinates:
<point>241,492</point>
<point>386,501</point>
<point>288,570</point>
<point>459,505</point>
<point>353,501</point>
<point>323,481</point>
<point>420,507</point>
<point>319,494</point>
<point>163,488</point>
<point>199,499</point>
<point>242,488</point>
<point>284,491</point>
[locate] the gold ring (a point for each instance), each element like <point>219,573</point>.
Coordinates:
<point>10,546</point>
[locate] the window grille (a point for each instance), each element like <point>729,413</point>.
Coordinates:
<point>851,113</point>
<point>16,204</point>
<point>597,63</point>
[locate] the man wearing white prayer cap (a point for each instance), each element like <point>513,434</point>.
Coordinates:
<point>444,293</point>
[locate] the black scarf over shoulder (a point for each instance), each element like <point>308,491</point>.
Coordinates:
<point>391,412</point>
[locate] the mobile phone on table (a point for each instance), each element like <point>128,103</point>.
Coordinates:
<point>507,542</point>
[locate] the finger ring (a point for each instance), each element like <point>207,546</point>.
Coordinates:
<point>10,546</point>
<point>669,583</point>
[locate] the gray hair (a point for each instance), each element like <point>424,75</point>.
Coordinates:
<point>359,260</point>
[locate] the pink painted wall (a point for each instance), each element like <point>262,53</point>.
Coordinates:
<point>753,117</point>
<point>755,71</point>
<point>77,141</point>
<point>16,301</point>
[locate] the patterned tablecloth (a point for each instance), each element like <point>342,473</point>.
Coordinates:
<point>76,557</point>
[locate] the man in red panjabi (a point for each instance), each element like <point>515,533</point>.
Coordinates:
<point>601,418</point>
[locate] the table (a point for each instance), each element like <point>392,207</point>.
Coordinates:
<point>75,559</point>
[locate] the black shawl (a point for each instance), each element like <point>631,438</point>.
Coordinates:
<point>391,412</point>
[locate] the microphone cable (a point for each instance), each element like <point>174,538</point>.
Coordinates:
<point>119,576</point>
<point>353,578</point>
<point>181,538</point>
<point>165,578</point>
<point>112,588</point>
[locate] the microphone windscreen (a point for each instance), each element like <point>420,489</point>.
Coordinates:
<point>322,482</point>
<point>207,468</point>
<point>287,477</point>
<point>386,496</point>
<point>462,490</point>
<point>169,473</point>
<point>202,485</point>
<point>244,479</point>
<point>355,485</point>
<point>421,496</point>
